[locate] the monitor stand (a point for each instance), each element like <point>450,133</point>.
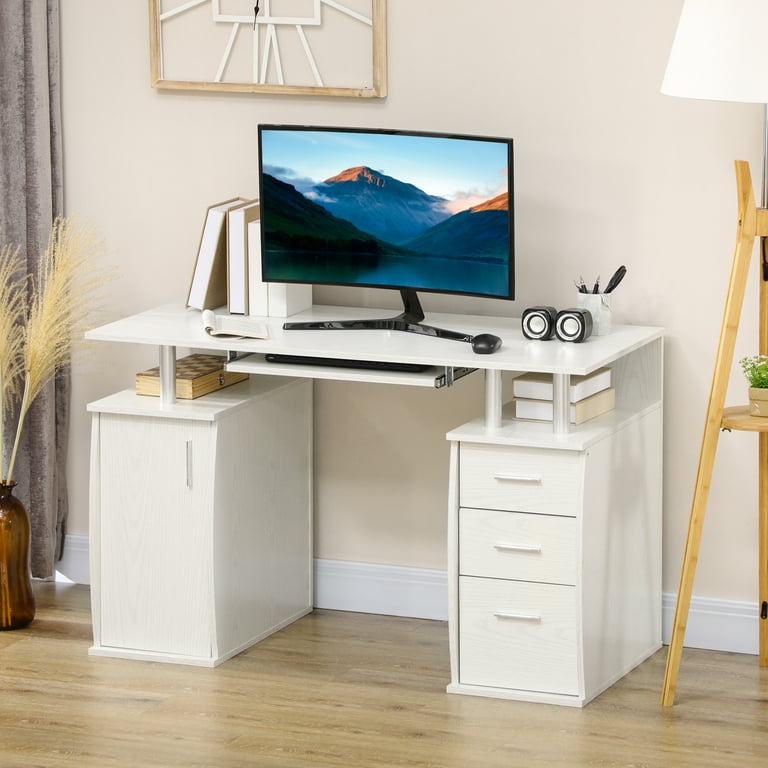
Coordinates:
<point>408,320</point>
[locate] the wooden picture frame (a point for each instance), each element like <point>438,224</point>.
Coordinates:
<point>295,47</point>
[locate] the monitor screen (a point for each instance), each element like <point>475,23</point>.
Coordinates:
<point>387,209</point>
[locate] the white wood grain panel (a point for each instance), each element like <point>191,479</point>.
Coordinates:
<point>520,479</point>
<point>516,545</point>
<point>173,325</point>
<point>203,527</point>
<point>156,536</point>
<point>518,635</point>
<point>621,543</point>
<point>263,525</point>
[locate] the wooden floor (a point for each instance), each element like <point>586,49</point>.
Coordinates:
<point>353,690</point>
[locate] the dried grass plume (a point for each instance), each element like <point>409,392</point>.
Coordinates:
<point>62,296</point>
<point>11,339</point>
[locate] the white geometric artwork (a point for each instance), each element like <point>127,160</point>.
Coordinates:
<point>318,47</point>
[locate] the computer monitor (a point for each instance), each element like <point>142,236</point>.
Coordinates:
<point>391,209</point>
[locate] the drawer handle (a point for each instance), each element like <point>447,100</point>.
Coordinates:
<point>504,547</point>
<point>532,479</point>
<point>517,616</point>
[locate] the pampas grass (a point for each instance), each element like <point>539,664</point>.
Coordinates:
<point>11,337</point>
<point>62,296</point>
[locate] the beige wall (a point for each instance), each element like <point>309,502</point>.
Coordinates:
<point>608,171</point>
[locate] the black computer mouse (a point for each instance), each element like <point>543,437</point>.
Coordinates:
<point>485,343</point>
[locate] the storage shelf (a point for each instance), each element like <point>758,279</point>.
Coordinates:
<point>739,418</point>
<point>539,433</point>
<point>208,407</point>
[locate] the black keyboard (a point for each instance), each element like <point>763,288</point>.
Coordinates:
<point>370,365</point>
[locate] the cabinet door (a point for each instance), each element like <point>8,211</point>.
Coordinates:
<point>156,530</point>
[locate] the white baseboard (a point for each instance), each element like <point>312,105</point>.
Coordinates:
<point>74,565</point>
<point>716,625</point>
<point>392,590</point>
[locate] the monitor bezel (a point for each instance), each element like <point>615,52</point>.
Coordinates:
<point>508,142</point>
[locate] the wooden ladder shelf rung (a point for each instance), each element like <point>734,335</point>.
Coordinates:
<point>739,419</point>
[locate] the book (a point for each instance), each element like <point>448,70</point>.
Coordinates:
<point>238,219</point>
<point>258,290</point>
<point>581,411</point>
<point>196,375</point>
<point>271,299</point>
<point>538,386</point>
<point>286,299</point>
<point>208,287</point>
<point>229,326</point>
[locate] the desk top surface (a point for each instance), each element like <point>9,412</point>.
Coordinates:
<point>173,325</point>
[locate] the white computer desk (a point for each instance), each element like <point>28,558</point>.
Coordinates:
<point>551,514</point>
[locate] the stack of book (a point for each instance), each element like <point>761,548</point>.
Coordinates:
<point>589,396</point>
<point>227,269</point>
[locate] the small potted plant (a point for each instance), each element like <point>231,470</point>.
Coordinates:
<point>756,370</point>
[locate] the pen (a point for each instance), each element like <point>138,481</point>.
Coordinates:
<point>616,278</point>
<point>596,288</point>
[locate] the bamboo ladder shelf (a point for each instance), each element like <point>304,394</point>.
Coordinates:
<point>752,223</point>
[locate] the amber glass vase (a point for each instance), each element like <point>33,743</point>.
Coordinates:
<point>17,601</point>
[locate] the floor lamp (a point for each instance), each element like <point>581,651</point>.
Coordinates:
<point>719,52</point>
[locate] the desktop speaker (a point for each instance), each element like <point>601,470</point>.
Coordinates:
<point>539,322</point>
<point>573,324</point>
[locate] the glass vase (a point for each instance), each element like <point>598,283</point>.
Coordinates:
<point>17,601</point>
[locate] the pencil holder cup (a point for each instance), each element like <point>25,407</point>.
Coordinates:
<point>599,306</point>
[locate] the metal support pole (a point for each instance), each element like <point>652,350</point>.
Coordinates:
<point>493,398</point>
<point>167,375</point>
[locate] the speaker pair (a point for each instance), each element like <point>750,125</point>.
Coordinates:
<point>542,323</point>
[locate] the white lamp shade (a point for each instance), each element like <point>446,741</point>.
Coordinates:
<point>720,51</point>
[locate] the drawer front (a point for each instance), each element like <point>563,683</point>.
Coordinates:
<point>521,479</point>
<point>518,635</point>
<point>516,545</point>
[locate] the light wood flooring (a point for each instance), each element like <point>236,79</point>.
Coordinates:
<point>353,690</point>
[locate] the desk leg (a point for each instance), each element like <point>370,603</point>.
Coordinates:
<point>561,383</point>
<point>493,398</point>
<point>167,375</point>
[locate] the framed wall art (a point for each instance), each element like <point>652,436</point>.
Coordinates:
<point>300,47</point>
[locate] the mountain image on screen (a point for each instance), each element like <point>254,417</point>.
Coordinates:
<point>390,209</point>
<point>361,205</point>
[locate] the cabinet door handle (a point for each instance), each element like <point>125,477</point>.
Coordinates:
<point>505,547</point>
<point>533,479</point>
<point>189,464</point>
<point>517,616</point>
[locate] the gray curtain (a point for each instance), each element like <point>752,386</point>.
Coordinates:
<point>30,199</point>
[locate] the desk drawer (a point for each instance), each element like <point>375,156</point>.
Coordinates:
<point>516,545</point>
<point>521,479</point>
<point>518,635</point>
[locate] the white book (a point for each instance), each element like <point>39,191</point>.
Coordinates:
<point>208,287</point>
<point>271,299</point>
<point>286,299</point>
<point>234,325</point>
<point>538,386</point>
<point>238,220</point>
<point>583,410</point>
<point>258,294</point>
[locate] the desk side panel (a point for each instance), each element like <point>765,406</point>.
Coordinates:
<point>621,552</point>
<point>263,518</point>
